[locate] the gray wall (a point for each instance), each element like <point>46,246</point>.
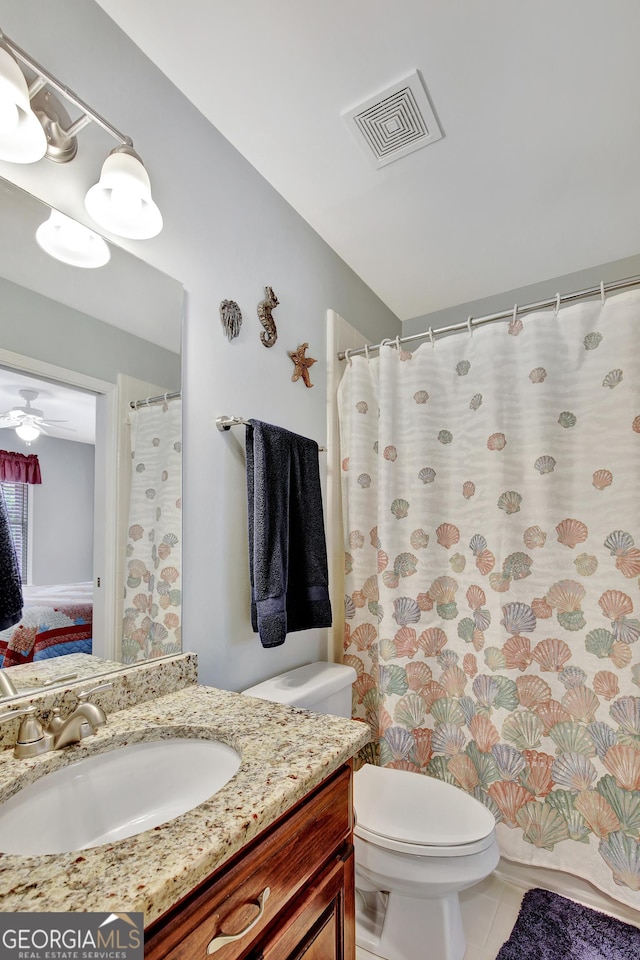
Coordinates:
<point>62,518</point>
<point>38,327</point>
<point>227,234</point>
<point>569,283</point>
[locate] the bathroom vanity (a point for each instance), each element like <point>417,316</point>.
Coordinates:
<point>282,822</point>
<point>288,894</point>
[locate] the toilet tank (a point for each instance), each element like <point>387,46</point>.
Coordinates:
<point>323,687</point>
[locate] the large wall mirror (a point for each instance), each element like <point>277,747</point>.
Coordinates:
<point>78,345</point>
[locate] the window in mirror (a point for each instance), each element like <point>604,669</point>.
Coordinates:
<point>17,500</point>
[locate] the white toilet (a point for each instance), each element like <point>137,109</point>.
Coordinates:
<point>418,841</point>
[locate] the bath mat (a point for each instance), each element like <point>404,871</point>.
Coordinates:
<point>551,927</point>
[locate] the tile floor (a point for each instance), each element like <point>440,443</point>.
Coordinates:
<point>488,914</point>
<point>490,908</point>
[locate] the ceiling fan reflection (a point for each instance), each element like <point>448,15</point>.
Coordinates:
<point>28,421</point>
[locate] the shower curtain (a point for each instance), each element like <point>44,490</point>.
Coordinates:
<point>492,525</point>
<point>152,593</point>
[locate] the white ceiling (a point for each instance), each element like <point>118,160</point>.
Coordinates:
<point>537,174</point>
<point>58,402</point>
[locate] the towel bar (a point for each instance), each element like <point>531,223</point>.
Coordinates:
<point>225,423</point>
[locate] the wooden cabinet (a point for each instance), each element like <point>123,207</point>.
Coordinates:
<point>288,895</point>
<point>314,927</point>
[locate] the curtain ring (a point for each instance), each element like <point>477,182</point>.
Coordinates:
<point>366,351</point>
<point>430,333</point>
<point>515,313</point>
<point>398,343</point>
<point>602,293</point>
<point>147,401</point>
<point>166,397</point>
<point>347,355</point>
<point>469,326</point>
<point>557,304</point>
<point>386,343</point>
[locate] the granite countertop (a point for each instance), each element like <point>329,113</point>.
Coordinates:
<point>29,677</point>
<point>285,753</point>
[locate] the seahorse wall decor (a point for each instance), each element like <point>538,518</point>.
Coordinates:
<point>270,333</point>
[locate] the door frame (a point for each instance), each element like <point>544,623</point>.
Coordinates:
<point>105,643</point>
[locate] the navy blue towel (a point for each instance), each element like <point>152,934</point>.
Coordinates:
<point>10,583</point>
<point>287,548</point>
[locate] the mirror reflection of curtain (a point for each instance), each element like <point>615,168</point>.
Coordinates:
<point>17,470</point>
<point>14,468</point>
<point>19,467</point>
<point>10,580</point>
<point>153,595</point>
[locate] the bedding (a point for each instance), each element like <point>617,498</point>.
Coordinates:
<point>56,620</point>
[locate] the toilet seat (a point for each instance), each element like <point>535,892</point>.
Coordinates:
<point>419,815</point>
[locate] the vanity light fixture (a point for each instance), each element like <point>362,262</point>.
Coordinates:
<point>72,242</point>
<point>22,138</point>
<point>121,200</point>
<point>35,124</point>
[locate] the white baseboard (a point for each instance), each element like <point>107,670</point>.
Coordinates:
<point>566,885</point>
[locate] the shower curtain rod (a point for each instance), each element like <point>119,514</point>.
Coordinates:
<point>134,404</point>
<point>225,423</point>
<point>468,325</point>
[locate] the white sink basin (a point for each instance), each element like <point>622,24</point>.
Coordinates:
<point>114,795</point>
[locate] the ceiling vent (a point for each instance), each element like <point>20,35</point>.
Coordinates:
<point>394,123</point>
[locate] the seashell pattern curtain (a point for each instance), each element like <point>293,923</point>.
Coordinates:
<point>492,524</point>
<point>152,593</point>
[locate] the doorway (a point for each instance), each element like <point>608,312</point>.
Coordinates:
<point>105,643</point>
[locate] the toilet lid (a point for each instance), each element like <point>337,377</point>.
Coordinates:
<point>419,810</point>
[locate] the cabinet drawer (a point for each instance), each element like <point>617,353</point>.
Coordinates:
<point>282,860</point>
<point>313,926</point>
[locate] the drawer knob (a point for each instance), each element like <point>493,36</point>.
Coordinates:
<point>222,939</point>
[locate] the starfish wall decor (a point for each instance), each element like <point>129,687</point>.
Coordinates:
<point>302,364</point>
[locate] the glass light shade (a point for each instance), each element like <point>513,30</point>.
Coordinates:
<point>27,432</point>
<point>22,139</point>
<point>71,242</point>
<point>121,201</point>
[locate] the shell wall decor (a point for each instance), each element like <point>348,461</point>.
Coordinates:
<point>231,318</point>
<point>492,570</point>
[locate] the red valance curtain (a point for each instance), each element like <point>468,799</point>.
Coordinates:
<point>19,467</point>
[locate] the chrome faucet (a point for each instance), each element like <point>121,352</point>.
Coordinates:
<point>84,721</point>
<point>34,739</point>
<point>7,686</point>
